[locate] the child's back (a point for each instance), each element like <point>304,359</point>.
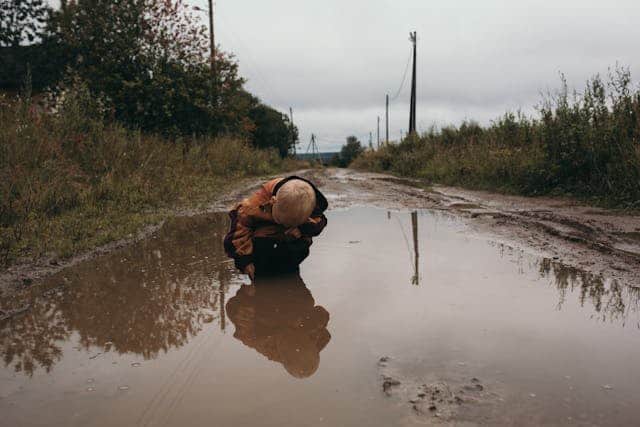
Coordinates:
<point>271,231</point>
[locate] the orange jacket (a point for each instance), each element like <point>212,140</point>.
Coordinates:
<point>252,218</point>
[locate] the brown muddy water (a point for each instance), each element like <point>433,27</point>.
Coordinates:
<point>395,319</point>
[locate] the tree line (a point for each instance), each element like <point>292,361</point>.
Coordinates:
<point>111,118</point>
<point>146,62</point>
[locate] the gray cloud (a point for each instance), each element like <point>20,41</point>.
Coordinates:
<point>333,61</point>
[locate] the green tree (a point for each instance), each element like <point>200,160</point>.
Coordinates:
<point>149,60</point>
<point>352,149</point>
<point>272,129</point>
<point>22,48</point>
<point>22,21</point>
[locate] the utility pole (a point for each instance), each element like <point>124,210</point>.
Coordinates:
<point>378,134</point>
<point>386,118</point>
<point>313,146</point>
<point>370,141</point>
<point>293,136</point>
<point>212,45</point>
<point>412,109</point>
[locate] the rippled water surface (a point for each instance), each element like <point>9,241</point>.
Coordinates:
<point>391,311</point>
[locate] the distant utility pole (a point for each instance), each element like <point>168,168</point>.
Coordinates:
<point>378,134</point>
<point>412,109</point>
<point>386,118</point>
<point>371,141</point>
<point>313,146</point>
<point>293,136</point>
<point>316,151</point>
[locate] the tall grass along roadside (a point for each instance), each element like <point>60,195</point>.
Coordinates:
<point>581,144</point>
<point>69,181</point>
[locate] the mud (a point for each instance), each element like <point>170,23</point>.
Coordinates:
<point>401,316</point>
<point>595,240</point>
<point>25,272</point>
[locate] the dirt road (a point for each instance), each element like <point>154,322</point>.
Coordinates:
<point>596,240</point>
<point>417,306</point>
<point>593,239</point>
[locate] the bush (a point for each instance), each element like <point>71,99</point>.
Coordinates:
<point>148,61</point>
<point>587,145</point>
<point>70,181</point>
<point>348,153</point>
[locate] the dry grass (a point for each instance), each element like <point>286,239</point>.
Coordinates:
<point>585,145</point>
<point>70,182</point>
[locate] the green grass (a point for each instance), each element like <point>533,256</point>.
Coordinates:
<point>71,181</point>
<point>586,145</point>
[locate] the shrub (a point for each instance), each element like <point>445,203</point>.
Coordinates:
<point>69,180</point>
<point>586,144</point>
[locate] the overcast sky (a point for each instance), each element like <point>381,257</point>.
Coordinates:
<point>334,60</point>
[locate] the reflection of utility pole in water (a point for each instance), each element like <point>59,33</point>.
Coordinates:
<point>223,280</point>
<point>415,280</point>
<point>413,258</point>
<point>222,313</point>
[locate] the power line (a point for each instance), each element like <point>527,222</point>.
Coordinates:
<point>404,77</point>
<point>248,60</point>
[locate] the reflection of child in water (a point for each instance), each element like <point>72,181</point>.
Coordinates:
<point>271,231</point>
<point>278,318</point>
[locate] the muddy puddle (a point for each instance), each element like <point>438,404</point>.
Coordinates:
<point>397,318</point>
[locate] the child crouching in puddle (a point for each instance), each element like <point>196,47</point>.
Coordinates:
<point>272,230</point>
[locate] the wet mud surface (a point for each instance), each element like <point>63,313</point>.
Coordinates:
<point>596,240</point>
<point>397,318</point>
<point>400,316</point>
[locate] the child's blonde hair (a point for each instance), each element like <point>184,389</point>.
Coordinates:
<point>294,202</point>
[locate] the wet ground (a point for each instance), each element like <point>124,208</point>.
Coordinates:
<point>397,318</point>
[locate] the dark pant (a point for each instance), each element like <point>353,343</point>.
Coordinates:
<point>271,256</point>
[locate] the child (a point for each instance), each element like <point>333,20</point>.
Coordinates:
<point>271,230</point>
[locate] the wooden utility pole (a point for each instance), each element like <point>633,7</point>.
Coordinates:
<point>293,136</point>
<point>313,146</point>
<point>412,109</point>
<point>316,152</point>
<point>386,118</point>
<point>212,45</point>
<point>378,134</point>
